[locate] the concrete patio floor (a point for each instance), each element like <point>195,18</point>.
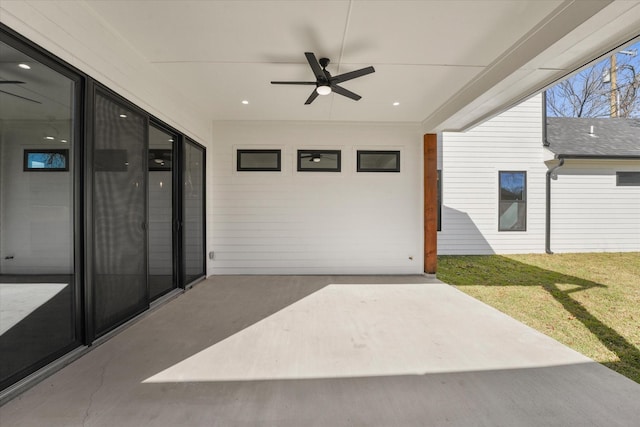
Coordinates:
<point>328,351</point>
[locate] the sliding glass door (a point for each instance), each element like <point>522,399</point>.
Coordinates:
<point>39,210</point>
<point>120,163</point>
<point>161,211</point>
<point>101,210</point>
<point>193,228</point>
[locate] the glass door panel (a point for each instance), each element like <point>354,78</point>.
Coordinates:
<point>38,287</point>
<point>161,251</point>
<point>193,233</point>
<point>120,162</point>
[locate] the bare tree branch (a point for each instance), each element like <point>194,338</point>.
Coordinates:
<point>588,93</point>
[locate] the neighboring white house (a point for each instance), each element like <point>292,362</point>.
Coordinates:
<point>494,179</point>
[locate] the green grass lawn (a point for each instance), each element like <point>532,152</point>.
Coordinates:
<point>589,302</point>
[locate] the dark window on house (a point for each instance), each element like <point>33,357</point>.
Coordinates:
<point>259,161</point>
<point>318,160</point>
<point>378,161</point>
<point>627,179</point>
<point>46,160</point>
<point>513,201</point>
<point>439,200</point>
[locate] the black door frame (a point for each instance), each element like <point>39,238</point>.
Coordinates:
<point>175,199</point>
<point>183,274</point>
<point>18,42</point>
<point>82,154</point>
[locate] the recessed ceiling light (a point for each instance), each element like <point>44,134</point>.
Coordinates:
<point>49,137</point>
<point>170,139</point>
<point>245,102</point>
<point>24,66</point>
<point>63,140</point>
<point>395,104</point>
<point>124,116</point>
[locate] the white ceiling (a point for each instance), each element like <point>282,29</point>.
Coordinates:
<point>448,63</point>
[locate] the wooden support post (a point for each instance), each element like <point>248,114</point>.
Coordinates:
<point>430,203</point>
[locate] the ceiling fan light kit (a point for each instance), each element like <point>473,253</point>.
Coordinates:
<point>323,90</point>
<point>325,83</point>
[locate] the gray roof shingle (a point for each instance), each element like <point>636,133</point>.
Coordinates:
<point>570,136</point>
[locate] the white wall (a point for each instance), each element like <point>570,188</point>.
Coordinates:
<point>293,222</point>
<point>470,163</point>
<point>589,212</point>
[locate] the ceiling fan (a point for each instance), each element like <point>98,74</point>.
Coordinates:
<point>317,157</point>
<point>325,83</point>
<point>16,82</point>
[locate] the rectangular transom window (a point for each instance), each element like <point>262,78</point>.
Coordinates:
<point>378,161</point>
<point>259,161</point>
<point>628,179</point>
<point>318,160</point>
<point>513,201</point>
<point>48,160</point>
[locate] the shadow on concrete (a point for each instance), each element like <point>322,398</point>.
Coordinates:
<point>529,275</point>
<point>105,386</point>
<point>516,397</point>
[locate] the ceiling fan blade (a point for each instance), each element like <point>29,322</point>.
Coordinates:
<point>315,66</point>
<point>313,96</point>
<point>13,82</point>
<point>344,92</point>
<point>21,97</point>
<point>293,83</point>
<point>352,75</point>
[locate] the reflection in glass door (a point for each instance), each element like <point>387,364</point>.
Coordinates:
<point>38,213</point>
<point>161,212</point>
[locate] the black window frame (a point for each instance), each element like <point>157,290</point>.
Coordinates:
<point>359,167</point>
<point>632,175</point>
<point>523,201</point>
<point>64,152</point>
<point>276,168</point>
<point>337,153</point>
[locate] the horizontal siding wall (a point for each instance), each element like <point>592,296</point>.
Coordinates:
<point>589,212</point>
<point>470,162</point>
<point>293,222</point>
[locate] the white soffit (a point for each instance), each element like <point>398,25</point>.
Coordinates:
<point>450,64</point>
<point>604,29</point>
